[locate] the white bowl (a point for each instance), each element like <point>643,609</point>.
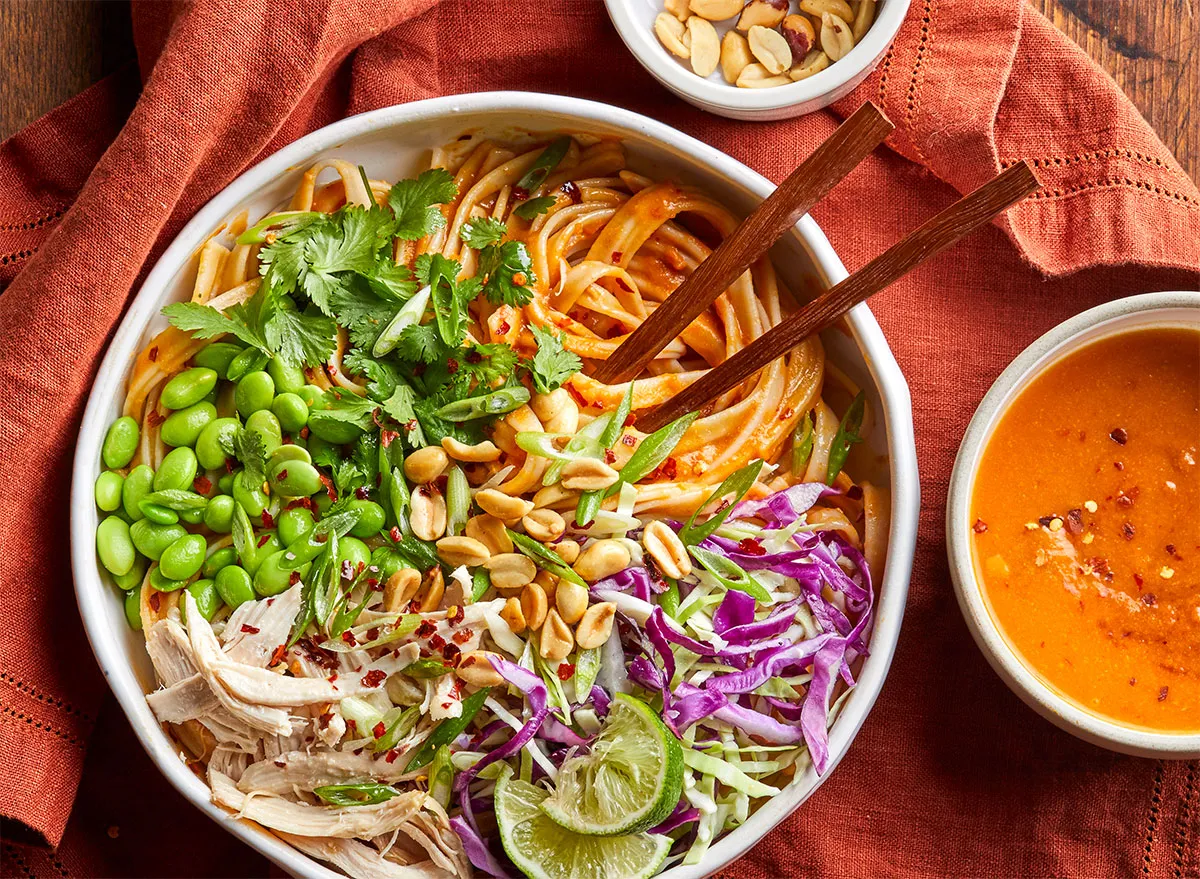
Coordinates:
<point>389,142</point>
<point>1149,309</point>
<point>634,21</point>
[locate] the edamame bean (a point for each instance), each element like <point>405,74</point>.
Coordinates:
<point>387,562</point>
<point>225,483</point>
<point>163,583</point>
<point>293,524</point>
<point>323,503</point>
<point>120,443</point>
<point>258,553</point>
<point>217,357</point>
<point>133,579</point>
<point>353,550</point>
<point>208,602</point>
<point>289,452</point>
<point>183,558</point>
<point>275,574</point>
<point>222,558</point>
<point>184,427</point>
<point>234,585</point>
<point>151,539</point>
<point>251,497</point>
<point>255,391</point>
<point>370,518</point>
<point>138,484</point>
<point>266,425</point>
<point>133,609</point>
<point>295,479</point>
<point>248,361</point>
<point>177,470</point>
<point>494,403</point>
<point>192,517</point>
<point>114,546</point>
<point>108,490</point>
<point>211,444</point>
<point>288,377</point>
<point>291,410</point>
<point>188,387</point>
<point>318,446</point>
<point>310,394</point>
<point>218,515</point>
<point>157,513</point>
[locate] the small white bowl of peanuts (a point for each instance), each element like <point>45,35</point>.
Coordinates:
<point>762,59</point>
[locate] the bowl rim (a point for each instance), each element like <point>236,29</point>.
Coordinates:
<point>651,54</point>
<point>1064,712</point>
<point>92,593</point>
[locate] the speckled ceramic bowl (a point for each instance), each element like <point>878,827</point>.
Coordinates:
<point>1135,312</point>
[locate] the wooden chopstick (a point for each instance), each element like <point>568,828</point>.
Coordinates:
<point>961,218</point>
<point>804,187</point>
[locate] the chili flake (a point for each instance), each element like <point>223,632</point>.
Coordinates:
<point>1162,694</point>
<point>572,191</point>
<point>391,756</point>
<point>1119,436</point>
<point>349,638</point>
<point>202,485</point>
<point>374,677</point>
<point>379,729</point>
<point>980,526</point>
<point>262,541</point>
<point>249,629</point>
<point>566,671</point>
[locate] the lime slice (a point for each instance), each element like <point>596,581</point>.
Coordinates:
<point>545,850</point>
<point>629,781</point>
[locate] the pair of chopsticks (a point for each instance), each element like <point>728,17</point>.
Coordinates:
<point>803,188</point>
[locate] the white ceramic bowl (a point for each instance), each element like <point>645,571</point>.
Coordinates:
<point>634,21</point>
<point>389,142</point>
<point>1149,309</point>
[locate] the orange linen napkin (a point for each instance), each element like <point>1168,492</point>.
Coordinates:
<point>951,775</point>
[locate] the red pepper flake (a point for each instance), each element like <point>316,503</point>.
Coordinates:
<point>979,527</point>
<point>425,628</point>
<point>249,629</point>
<point>572,191</point>
<point>1150,599</point>
<point>504,328</point>
<point>1119,436</point>
<point>202,485</point>
<point>293,578</point>
<point>378,730</point>
<point>391,756</point>
<point>229,465</point>
<point>277,656</point>
<point>566,671</point>
<point>332,678</point>
<point>1162,695</point>
<point>452,653</point>
<point>305,502</point>
<point>323,720</point>
<point>352,726</point>
<point>372,633</point>
<point>1127,531</point>
<point>1139,579</point>
<point>618,255</point>
<point>666,470</point>
<point>153,354</point>
<point>609,457</point>
<point>751,546</point>
<point>373,584</point>
<point>1074,521</point>
<point>262,541</point>
<point>154,419</point>
<point>451,366</point>
<point>282,474</point>
<point>520,279</point>
<point>329,489</point>
<point>386,437</point>
<point>268,520</point>
<point>628,440</point>
<point>154,600</point>
<point>462,636</point>
<point>374,677</point>
<point>437,642</point>
<point>520,193</point>
<point>349,638</point>
<point>395,534</point>
<point>456,615</point>
<point>1118,465</point>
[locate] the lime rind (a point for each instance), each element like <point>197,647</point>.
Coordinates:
<point>629,781</point>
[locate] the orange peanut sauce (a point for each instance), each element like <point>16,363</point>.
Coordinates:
<point>1086,511</point>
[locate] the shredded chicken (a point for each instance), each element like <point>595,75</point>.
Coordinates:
<point>358,859</point>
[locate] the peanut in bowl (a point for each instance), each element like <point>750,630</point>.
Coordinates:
<point>761,60</point>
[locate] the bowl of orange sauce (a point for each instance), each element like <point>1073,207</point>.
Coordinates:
<point>1073,525</point>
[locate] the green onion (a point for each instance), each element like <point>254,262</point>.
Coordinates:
<point>846,436</point>
<point>587,667</point>
<point>243,534</point>
<point>729,573</point>
<point>546,162</point>
<point>589,501</point>
<point>448,730</point>
<point>362,172</point>
<point>397,723</point>
<point>654,449</point>
<point>359,793</point>
<point>669,600</point>
<point>487,405</point>
<point>458,500</point>
<point>288,221</point>
<point>409,314</point>
<point>546,559</point>
<point>802,444</point>
<point>427,668</point>
<point>585,443</point>
<point>737,484</point>
<point>543,445</point>
<point>441,776</point>
<point>480,581</point>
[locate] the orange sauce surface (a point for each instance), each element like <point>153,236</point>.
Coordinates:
<point>1086,511</point>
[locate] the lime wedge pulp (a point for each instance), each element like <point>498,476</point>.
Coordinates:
<point>629,781</point>
<point>543,849</point>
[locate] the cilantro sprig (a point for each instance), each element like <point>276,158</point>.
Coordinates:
<point>552,365</point>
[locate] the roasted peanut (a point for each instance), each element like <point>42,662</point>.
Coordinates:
<point>715,10</point>
<point>427,515</point>
<point>597,624</point>
<point>735,56</point>
<point>763,13</point>
<point>505,507</point>
<point>800,36</point>
<point>549,584</point>
<point>468,551</point>
<point>671,33</point>
<point>427,464</point>
<point>705,45</point>
<point>484,451</point>
<point>400,588</point>
<point>571,601</point>
<point>819,8</point>
<point>600,559</point>
<point>476,669</point>
<point>755,76</point>
<point>557,410</point>
<point>568,550</point>
<point>556,639</point>
<point>511,614</point>
<point>814,62</point>
<point>554,495</point>
<point>836,37</point>
<point>864,17</point>
<point>431,593</point>
<point>771,49</point>
<point>510,571</point>
<point>679,9</point>
<point>544,525</point>
<point>489,531</point>
<point>666,549</point>
<point>591,474</point>
<point>534,605</point>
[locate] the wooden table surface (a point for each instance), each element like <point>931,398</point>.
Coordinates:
<point>56,48</point>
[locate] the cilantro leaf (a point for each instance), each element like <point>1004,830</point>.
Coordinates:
<point>399,406</point>
<point>248,447</point>
<point>509,273</point>
<point>482,231</point>
<point>340,416</point>
<point>391,281</point>
<point>436,428</point>
<point>358,307</point>
<point>414,203</point>
<point>488,364</point>
<point>382,376</point>
<point>299,339</point>
<point>206,322</point>
<point>449,296</point>
<point>527,210</point>
<point>552,365</point>
<point>420,343</point>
